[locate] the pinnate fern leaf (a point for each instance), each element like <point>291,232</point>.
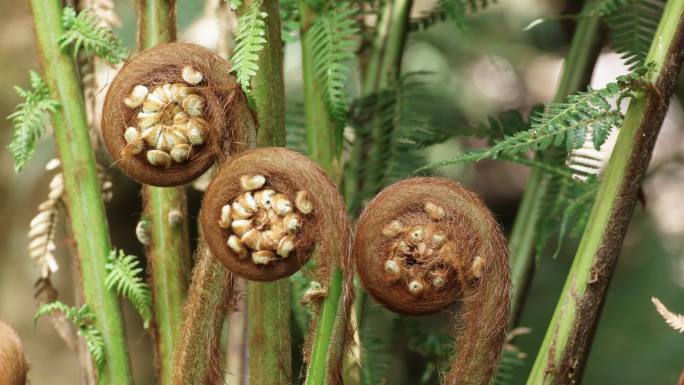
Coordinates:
<point>632,27</point>
<point>250,40</point>
<point>456,10</point>
<point>84,31</point>
<point>563,124</point>
<point>29,120</point>
<point>124,278</point>
<point>84,320</point>
<point>332,40</point>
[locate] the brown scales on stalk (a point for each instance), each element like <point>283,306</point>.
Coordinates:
<point>424,243</point>
<point>179,85</point>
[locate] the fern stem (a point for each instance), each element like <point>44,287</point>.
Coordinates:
<point>577,70</point>
<point>268,304</point>
<point>84,196</point>
<point>168,253</point>
<point>324,145</point>
<point>563,353</point>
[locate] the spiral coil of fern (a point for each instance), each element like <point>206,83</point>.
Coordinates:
<point>13,363</point>
<point>424,243</point>
<point>276,206</point>
<point>170,113</point>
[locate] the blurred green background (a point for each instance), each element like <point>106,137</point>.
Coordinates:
<point>492,66</point>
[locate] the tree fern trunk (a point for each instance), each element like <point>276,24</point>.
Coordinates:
<point>564,351</point>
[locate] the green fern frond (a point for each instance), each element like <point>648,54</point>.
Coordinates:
<point>632,27</point>
<point>82,31</point>
<point>124,278</point>
<point>332,40</point>
<point>456,10</point>
<point>603,8</point>
<point>295,125</point>
<point>250,40</point>
<point>29,119</point>
<point>83,318</point>
<point>505,372</point>
<point>563,124</point>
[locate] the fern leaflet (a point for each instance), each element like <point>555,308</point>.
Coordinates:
<point>562,124</point>
<point>456,10</point>
<point>29,119</point>
<point>82,31</point>
<point>250,40</point>
<point>83,318</point>
<point>603,8</point>
<point>332,40</point>
<point>124,278</point>
<point>632,28</point>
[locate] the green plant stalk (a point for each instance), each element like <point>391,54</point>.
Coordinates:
<point>324,146</point>
<point>165,209</point>
<point>383,68</point>
<point>268,304</point>
<point>563,353</point>
<point>577,70</point>
<point>83,193</point>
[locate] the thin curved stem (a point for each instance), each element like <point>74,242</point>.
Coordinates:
<point>84,196</point>
<point>165,209</point>
<point>563,353</point>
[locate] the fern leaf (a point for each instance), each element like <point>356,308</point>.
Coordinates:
<point>332,41</point>
<point>676,321</point>
<point>563,124</point>
<point>456,10</point>
<point>632,27</point>
<point>603,8</point>
<point>124,278</point>
<point>82,31</point>
<point>250,40</point>
<point>83,318</point>
<point>29,120</point>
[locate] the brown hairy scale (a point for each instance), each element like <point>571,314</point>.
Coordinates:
<point>13,363</point>
<point>226,108</point>
<point>326,229</point>
<point>482,286</point>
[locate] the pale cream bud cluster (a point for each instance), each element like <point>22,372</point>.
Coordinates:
<point>263,223</point>
<point>418,254</point>
<point>169,122</point>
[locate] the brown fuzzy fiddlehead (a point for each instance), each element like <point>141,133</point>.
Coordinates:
<point>13,363</point>
<point>268,209</point>
<point>424,243</point>
<point>171,112</point>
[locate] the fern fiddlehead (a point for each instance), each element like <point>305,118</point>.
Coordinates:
<point>268,209</point>
<point>424,243</point>
<point>168,114</point>
<point>14,365</point>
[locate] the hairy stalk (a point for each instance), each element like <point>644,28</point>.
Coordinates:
<point>324,145</point>
<point>198,353</point>
<point>383,68</point>
<point>563,353</point>
<point>83,193</point>
<point>165,209</point>
<point>268,303</point>
<point>577,70</point>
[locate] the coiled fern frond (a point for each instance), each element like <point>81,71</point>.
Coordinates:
<point>29,119</point>
<point>83,31</point>
<point>83,318</point>
<point>124,277</point>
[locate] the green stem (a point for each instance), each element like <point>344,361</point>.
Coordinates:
<point>577,71</point>
<point>165,209</point>
<point>83,194</point>
<point>268,304</point>
<point>563,353</point>
<point>324,147</point>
